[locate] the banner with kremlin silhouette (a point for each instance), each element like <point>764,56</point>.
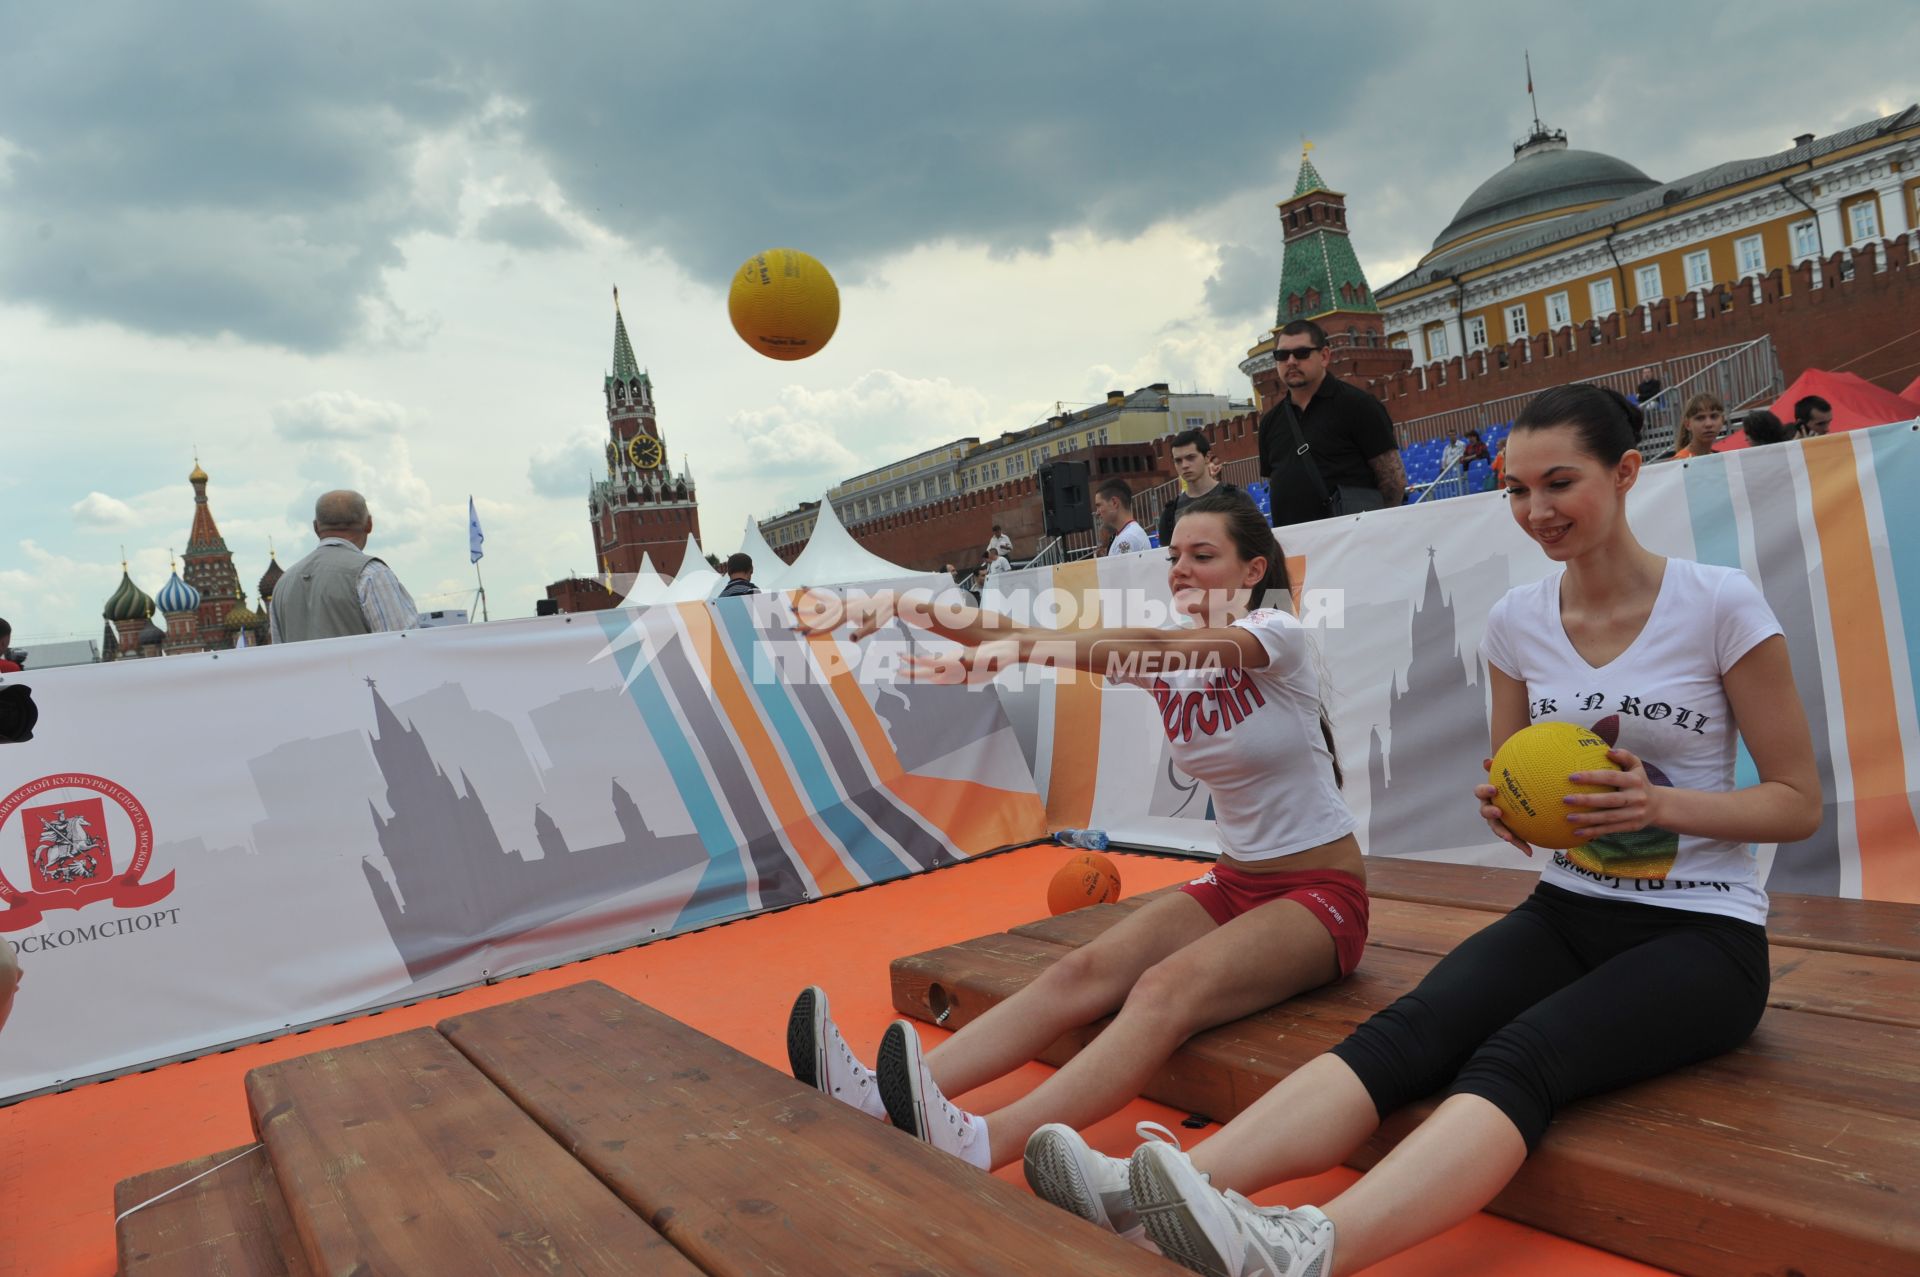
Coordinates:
<point>1398,601</point>
<point>215,847</point>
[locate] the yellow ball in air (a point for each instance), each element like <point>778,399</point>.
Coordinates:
<point>784,304</point>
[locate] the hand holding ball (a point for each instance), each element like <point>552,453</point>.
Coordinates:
<point>1529,779</point>
<point>784,304</point>
<point>1087,879</point>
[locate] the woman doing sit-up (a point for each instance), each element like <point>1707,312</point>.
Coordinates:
<point>1283,909</point>
<point>1643,948</point>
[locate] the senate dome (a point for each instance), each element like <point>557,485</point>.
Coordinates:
<point>1545,178</point>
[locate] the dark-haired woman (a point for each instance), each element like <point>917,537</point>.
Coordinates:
<point>1643,948</point>
<point>1283,909</point>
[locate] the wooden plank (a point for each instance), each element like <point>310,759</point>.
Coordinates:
<point>1878,928</point>
<point>398,1156</point>
<point>747,1171</point>
<point>1799,1149</point>
<point>230,1223</point>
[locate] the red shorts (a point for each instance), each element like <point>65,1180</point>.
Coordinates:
<point>1338,899</point>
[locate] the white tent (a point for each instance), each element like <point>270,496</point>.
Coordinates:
<point>769,569</point>
<point>648,585</point>
<point>833,557</point>
<point>697,580</point>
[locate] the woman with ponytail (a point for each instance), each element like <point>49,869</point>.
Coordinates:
<point>1644,947</point>
<point>1283,909</point>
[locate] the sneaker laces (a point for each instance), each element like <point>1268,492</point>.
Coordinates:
<point>1297,1236</point>
<point>1155,1131</point>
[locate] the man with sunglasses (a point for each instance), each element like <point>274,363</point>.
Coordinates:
<point>1327,447</point>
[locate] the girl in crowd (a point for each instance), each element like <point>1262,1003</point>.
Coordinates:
<point>1549,1004</point>
<point>1283,909</point>
<point>1700,426</point>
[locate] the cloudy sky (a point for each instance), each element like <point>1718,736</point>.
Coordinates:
<point>372,245</point>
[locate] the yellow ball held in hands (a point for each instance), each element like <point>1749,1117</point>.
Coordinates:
<point>784,304</point>
<point>1529,780</point>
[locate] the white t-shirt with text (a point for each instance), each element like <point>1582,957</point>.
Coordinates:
<point>1663,700</point>
<point>1254,737</point>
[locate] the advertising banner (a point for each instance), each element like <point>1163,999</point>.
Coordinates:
<point>201,849</point>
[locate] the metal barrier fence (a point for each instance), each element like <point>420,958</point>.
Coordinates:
<point>1741,375</point>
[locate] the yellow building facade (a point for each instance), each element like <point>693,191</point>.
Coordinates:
<point>1562,237</point>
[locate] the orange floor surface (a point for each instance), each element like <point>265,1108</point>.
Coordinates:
<point>60,1155</point>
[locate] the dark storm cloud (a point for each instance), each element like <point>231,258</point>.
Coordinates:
<point>255,170</point>
<point>524,225</point>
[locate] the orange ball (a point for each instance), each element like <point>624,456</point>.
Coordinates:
<point>1088,879</point>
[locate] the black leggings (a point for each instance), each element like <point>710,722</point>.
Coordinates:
<point>1565,997</point>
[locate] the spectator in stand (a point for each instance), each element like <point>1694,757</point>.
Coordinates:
<point>1452,453</point>
<point>1327,447</point>
<point>739,577</point>
<point>1113,506</point>
<point>1812,416</point>
<point>1476,449</point>
<point>1192,458</point>
<point>7,664</point>
<point>1764,427</point>
<point>996,561</point>
<point>339,589</point>
<point>1500,465</point>
<point>1700,427</point>
<point>1000,541</point>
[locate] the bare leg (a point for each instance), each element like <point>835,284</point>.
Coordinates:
<point>1309,1123</point>
<point>1451,1167</point>
<point>1082,986</point>
<point>9,980</point>
<point>1258,959</point>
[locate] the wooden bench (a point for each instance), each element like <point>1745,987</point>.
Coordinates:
<point>1797,1153</point>
<point>579,1131</point>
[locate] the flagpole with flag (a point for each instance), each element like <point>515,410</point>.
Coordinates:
<point>475,538</point>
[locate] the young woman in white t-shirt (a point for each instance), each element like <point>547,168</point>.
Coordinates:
<point>1644,947</point>
<point>1283,909</point>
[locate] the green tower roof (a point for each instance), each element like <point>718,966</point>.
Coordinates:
<point>1320,273</point>
<point>1310,179</point>
<point>129,602</point>
<point>625,366</point>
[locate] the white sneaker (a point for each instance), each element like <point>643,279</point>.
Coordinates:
<point>1224,1234</point>
<point>821,1058</point>
<point>915,1104</point>
<point>1063,1169</point>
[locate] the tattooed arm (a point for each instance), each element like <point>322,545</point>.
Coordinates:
<point>1391,476</point>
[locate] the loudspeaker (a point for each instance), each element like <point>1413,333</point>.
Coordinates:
<point>1066,497</point>
<point>546,607</point>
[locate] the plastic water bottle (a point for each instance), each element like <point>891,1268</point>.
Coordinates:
<point>1085,839</point>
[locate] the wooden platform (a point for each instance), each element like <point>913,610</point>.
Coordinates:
<point>1799,1153</point>
<point>579,1131</point>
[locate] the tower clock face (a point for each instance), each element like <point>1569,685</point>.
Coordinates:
<point>645,452</point>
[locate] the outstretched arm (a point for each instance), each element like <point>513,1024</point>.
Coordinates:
<point>993,638</point>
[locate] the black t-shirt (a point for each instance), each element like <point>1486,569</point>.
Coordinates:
<point>1170,513</point>
<point>1345,428</point>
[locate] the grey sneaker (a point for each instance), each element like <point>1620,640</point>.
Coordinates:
<point>1063,1169</point>
<point>820,1057</point>
<point>1223,1234</point>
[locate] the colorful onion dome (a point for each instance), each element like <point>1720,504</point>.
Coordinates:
<point>129,602</point>
<point>271,577</point>
<point>177,596</point>
<point>242,617</point>
<point>152,635</point>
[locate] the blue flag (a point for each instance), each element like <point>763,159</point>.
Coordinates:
<point>474,535</point>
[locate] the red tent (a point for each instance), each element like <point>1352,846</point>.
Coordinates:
<point>1912,393</point>
<point>1856,403</point>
